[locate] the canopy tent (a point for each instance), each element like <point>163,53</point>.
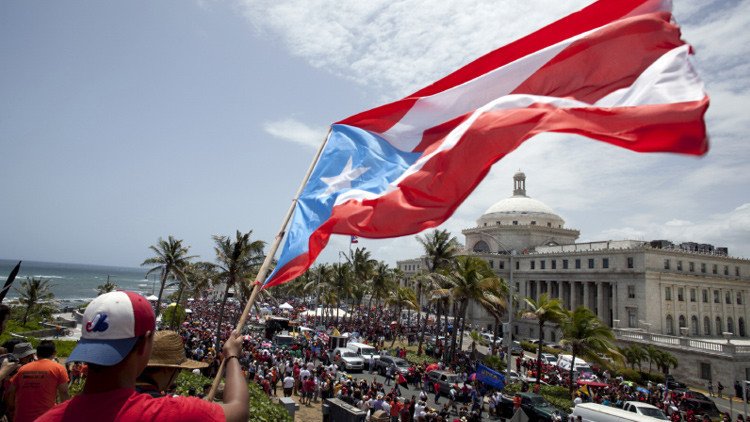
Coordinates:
<point>318,312</point>
<point>151,298</point>
<point>286,306</point>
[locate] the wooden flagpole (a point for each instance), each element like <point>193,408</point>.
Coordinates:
<point>258,285</point>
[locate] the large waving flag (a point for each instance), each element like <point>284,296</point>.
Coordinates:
<point>616,71</point>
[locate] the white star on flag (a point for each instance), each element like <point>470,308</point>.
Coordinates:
<point>343,180</point>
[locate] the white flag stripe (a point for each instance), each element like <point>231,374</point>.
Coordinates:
<point>671,77</point>
<point>461,99</point>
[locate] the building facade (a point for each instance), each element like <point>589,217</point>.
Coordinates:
<point>689,289</point>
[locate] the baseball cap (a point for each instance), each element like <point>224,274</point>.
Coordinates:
<point>112,324</point>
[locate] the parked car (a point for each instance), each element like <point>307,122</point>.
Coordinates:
<point>489,337</point>
<point>349,361</point>
<point>565,361</point>
<point>538,409</point>
<point>673,384</point>
<point>513,375</point>
<point>698,408</point>
<point>549,359</point>
<point>516,349</point>
<point>382,364</point>
<point>445,380</point>
<point>365,351</point>
<point>644,409</point>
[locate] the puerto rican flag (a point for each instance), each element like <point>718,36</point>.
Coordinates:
<point>616,71</point>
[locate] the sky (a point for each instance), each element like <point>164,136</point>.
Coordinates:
<point>124,122</point>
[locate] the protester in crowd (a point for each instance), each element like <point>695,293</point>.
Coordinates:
<point>38,384</point>
<point>166,361</point>
<point>116,342</point>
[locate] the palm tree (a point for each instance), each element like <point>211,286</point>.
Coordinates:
<point>317,281</point>
<point>341,283</point>
<point>587,337</point>
<point>472,280</point>
<point>634,355</point>
<point>171,258</point>
<point>665,360</point>
<point>440,248</point>
<point>475,338</point>
<point>362,268</point>
<point>495,304</point>
<point>34,294</point>
<point>543,310</point>
<point>196,276</point>
<point>402,297</point>
<point>382,283</point>
<point>108,286</point>
<point>237,263</point>
<point>652,353</point>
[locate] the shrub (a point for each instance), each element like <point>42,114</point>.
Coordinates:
<point>494,362</point>
<point>556,395</point>
<point>412,357</point>
<point>653,377</point>
<point>262,409</point>
<point>533,348</point>
<point>630,375</point>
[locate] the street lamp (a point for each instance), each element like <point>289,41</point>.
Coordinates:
<point>511,288</point>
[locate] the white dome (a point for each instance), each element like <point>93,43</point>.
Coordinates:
<point>520,205</point>
<point>520,210</point>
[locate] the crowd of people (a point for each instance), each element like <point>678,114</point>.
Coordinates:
<point>116,360</point>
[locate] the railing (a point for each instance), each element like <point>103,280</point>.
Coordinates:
<point>688,343</point>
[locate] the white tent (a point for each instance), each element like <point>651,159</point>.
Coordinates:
<point>318,312</point>
<point>286,306</point>
<point>152,298</point>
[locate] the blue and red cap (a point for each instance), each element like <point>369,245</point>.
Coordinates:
<point>112,324</point>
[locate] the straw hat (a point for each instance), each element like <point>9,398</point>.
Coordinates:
<point>168,351</point>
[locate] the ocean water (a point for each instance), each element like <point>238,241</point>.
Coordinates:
<point>77,282</point>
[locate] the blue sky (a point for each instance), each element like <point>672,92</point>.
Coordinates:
<point>121,122</point>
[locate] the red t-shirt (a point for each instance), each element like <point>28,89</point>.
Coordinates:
<point>126,404</point>
<point>36,388</point>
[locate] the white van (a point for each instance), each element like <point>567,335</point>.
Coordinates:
<point>365,351</point>
<point>592,412</point>
<point>564,361</point>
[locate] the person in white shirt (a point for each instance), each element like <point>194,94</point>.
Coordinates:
<point>288,385</point>
<point>419,409</point>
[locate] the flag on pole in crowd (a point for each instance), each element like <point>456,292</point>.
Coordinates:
<point>354,239</point>
<point>615,71</point>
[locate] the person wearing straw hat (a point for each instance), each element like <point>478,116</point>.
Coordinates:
<point>166,362</point>
<point>116,341</point>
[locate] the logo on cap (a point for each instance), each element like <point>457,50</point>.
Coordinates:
<point>98,324</point>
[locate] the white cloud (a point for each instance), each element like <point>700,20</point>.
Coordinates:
<point>399,46</point>
<point>295,131</point>
<point>721,229</point>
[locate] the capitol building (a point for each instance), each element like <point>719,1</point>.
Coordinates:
<point>688,290</point>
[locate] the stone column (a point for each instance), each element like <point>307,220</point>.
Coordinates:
<point>615,302</point>
<point>587,294</point>
<point>573,294</point>
<point>601,302</point>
